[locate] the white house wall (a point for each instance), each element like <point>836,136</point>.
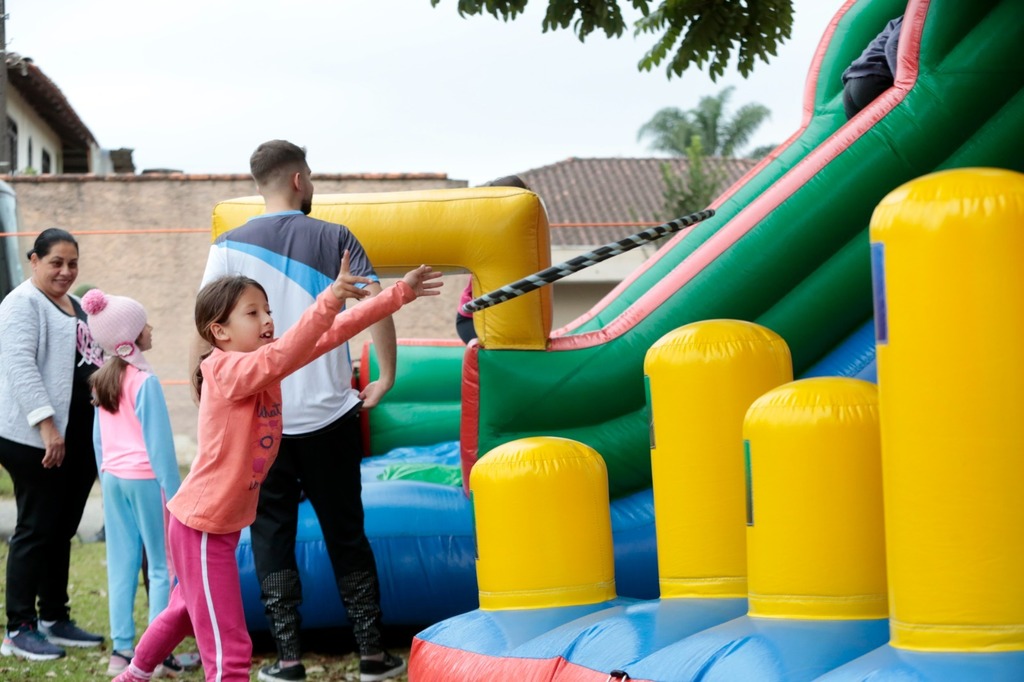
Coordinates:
<point>32,127</point>
<point>579,292</point>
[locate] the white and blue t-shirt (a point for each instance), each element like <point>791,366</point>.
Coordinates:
<point>295,257</point>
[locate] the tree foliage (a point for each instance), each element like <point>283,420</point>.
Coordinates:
<point>694,190</point>
<point>701,33</point>
<point>706,130</point>
<point>671,130</point>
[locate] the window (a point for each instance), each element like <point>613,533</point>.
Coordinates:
<point>28,162</point>
<point>12,145</point>
<point>44,163</point>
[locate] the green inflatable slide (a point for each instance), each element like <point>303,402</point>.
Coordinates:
<point>788,247</point>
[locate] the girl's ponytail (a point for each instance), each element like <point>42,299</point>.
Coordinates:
<point>197,375</point>
<point>106,383</point>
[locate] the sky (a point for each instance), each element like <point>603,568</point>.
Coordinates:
<point>373,86</point>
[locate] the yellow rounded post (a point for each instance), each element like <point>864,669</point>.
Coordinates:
<point>948,253</point>
<point>543,525</point>
<point>815,530</point>
<point>701,379</point>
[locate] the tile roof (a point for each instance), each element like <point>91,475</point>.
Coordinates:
<point>46,99</point>
<point>612,190</point>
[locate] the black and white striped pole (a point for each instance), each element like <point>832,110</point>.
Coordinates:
<point>557,272</point>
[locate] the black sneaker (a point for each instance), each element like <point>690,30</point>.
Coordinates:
<point>274,673</point>
<point>169,668</point>
<point>374,671</point>
<point>27,642</point>
<point>66,633</point>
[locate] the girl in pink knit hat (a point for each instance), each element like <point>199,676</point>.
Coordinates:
<point>138,468</point>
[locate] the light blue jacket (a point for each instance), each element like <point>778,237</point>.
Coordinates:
<point>154,425</point>
<point>37,364</point>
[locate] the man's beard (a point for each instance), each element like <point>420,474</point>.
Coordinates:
<point>307,206</point>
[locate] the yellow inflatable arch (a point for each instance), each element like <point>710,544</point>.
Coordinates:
<point>497,234</point>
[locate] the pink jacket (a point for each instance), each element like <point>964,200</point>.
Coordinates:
<point>466,297</point>
<point>240,410</point>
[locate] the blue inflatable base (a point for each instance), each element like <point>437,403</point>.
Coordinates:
<point>899,665</point>
<point>669,639</point>
<point>423,540</point>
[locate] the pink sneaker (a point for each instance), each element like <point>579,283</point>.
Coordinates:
<point>132,674</point>
<point>119,661</point>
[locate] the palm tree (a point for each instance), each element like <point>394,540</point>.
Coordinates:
<point>697,134</point>
<point>671,130</point>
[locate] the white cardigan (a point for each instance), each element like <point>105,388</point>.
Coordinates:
<point>37,364</point>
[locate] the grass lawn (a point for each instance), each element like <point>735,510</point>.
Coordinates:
<point>329,656</point>
<point>6,485</point>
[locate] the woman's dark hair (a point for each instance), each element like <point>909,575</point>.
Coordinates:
<point>46,239</point>
<point>106,383</point>
<point>214,304</point>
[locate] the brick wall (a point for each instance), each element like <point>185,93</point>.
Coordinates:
<point>163,270</point>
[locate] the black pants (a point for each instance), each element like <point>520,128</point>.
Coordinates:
<point>860,92</point>
<point>50,505</point>
<point>464,328</point>
<point>324,465</point>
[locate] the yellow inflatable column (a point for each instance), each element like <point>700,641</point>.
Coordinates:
<point>948,258</point>
<point>815,538</point>
<point>701,379</point>
<point>543,525</point>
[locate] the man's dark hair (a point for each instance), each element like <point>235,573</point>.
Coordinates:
<point>508,181</point>
<point>273,157</point>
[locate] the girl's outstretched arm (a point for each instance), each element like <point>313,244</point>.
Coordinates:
<point>345,285</point>
<point>242,374</point>
<point>423,281</point>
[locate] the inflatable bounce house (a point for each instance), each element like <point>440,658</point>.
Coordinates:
<point>647,493</point>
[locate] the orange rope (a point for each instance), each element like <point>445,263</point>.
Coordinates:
<point>157,230</point>
<point>206,230</point>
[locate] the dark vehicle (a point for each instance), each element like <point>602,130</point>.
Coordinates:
<point>10,261</point>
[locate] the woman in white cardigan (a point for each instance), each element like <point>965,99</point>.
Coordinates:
<point>46,416</point>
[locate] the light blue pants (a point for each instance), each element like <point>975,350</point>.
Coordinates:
<point>133,516</point>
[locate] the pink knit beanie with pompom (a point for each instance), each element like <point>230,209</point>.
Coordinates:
<point>116,322</point>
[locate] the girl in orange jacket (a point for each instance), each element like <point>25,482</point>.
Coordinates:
<point>238,438</point>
